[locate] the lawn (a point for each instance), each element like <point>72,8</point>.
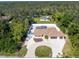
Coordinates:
<point>43,51</point>
<point>67,51</point>
<point>22,52</point>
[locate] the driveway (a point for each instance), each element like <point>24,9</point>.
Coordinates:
<point>56,45</point>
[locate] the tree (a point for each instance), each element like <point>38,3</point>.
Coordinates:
<point>16,29</point>
<point>46,37</point>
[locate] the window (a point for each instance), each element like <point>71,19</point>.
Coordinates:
<point>42,35</point>
<point>61,37</point>
<point>38,39</point>
<point>53,37</point>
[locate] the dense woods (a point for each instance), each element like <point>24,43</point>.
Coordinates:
<point>16,17</point>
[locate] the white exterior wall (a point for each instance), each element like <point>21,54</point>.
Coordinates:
<point>36,37</point>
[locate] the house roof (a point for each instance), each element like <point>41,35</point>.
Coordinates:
<point>5,17</point>
<point>48,31</point>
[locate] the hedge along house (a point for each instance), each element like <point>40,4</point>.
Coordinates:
<point>50,31</point>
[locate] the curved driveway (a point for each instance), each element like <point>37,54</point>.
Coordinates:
<point>55,45</point>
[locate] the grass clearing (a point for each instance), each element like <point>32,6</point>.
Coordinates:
<point>43,51</point>
<point>67,51</point>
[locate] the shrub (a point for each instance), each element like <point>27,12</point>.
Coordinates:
<point>46,36</point>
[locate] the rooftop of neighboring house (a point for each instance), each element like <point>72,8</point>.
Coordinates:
<point>45,18</point>
<point>5,17</point>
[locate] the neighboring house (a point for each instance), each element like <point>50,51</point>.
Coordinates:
<point>45,18</point>
<point>5,17</point>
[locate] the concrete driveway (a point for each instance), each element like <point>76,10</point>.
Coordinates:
<point>56,46</point>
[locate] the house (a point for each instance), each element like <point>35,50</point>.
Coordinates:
<point>45,34</point>
<point>52,33</point>
<point>41,30</point>
<point>45,18</point>
<point>5,17</point>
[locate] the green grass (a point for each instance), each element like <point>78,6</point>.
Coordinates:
<point>43,51</point>
<point>67,51</point>
<point>46,37</point>
<point>22,52</point>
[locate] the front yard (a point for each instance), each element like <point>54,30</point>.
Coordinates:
<point>43,51</point>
